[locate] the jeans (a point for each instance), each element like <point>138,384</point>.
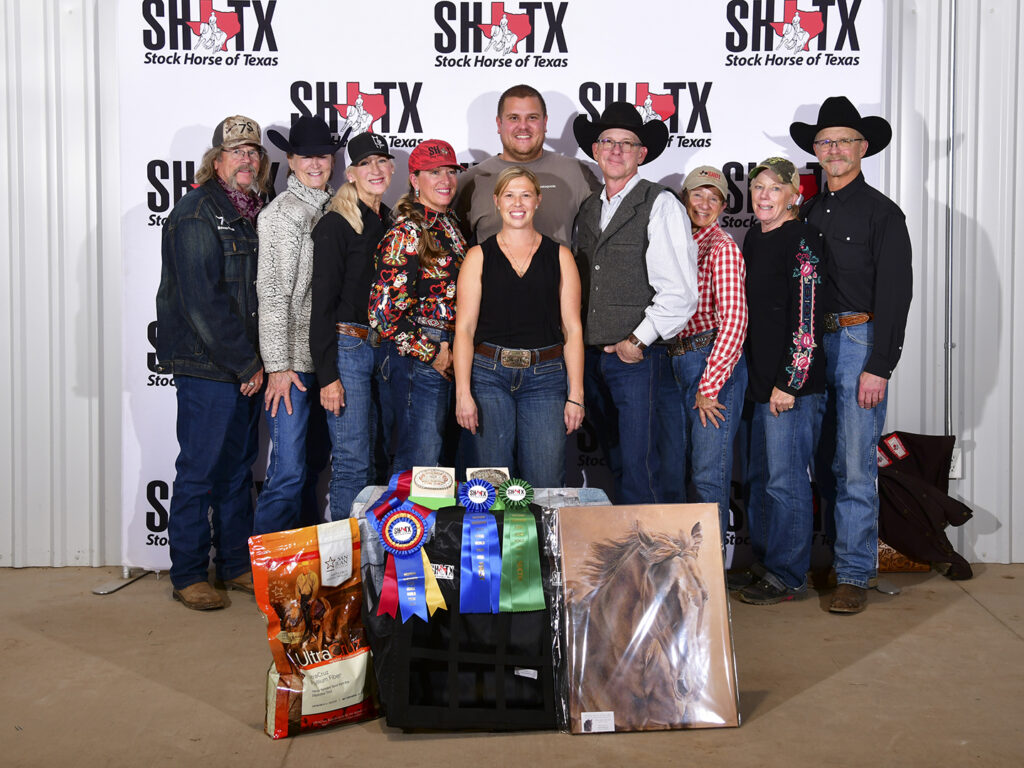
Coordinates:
<point>706,449</point>
<point>781,511</point>
<point>353,431</point>
<point>217,429</point>
<point>621,400</point>
<point>430,400</point>
<point>392,372</point>
<point>291,476</point>
<point>849,445</point>
<point>521,419</point>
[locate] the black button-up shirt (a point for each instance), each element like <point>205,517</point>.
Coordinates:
<point>870,263</point>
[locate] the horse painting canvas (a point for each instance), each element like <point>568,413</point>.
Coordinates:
<point>649,645</point>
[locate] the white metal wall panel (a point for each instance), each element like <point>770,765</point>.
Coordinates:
<point>59,431</point>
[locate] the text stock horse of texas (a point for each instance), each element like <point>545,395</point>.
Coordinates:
<point>640,648</point>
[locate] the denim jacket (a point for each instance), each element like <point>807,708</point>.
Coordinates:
<point>206,303</point>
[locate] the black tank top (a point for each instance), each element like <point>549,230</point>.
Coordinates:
<point>520,312</point>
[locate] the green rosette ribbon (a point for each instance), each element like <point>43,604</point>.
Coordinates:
<point>515,494</point>
<point>521,581</point>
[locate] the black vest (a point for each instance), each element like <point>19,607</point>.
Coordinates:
<point>613,264</point>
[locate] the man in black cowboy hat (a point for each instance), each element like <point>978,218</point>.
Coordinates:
<point>867,300</point>
<point>638,266</point>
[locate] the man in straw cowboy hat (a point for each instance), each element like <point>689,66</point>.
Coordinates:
<point>638,267</point>
<point>867,300</point>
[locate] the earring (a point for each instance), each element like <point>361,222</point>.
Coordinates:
<point>417,190</point>
<point>789,207</point>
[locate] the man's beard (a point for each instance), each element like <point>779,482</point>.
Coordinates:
<point>251,188</point>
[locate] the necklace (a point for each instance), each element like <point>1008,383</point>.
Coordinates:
<point>520,265</point>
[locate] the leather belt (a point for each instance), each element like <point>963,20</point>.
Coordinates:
<point>834,321</point>
<point>352,330</point>
<point>680,346</point>
<point>429,322</point>
<point>518,358</point>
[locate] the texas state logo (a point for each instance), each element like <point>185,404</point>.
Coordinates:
<point>824,33</point>
<point>177,32</point>
<point>681,104</point>
<point>528,34</point>
<point>387,108</point>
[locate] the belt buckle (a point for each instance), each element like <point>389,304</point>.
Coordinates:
<point>831,322</point>
<point>516,358</point>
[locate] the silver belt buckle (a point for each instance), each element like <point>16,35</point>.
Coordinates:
<point>516,358</point>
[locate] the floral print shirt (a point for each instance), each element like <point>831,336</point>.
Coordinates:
<point>407,297</point>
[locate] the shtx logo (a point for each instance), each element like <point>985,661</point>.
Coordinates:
<point>211,36</point>
<point>657,106</point>
<point>361,111</point>
<point>824,25</point>
<point>503,38</point>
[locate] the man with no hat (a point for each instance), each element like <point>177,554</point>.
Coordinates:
<point>638,265</point>
<point>867,300</point>
<point>708,376</point>
<point>208,340</point>
<point>565,182</point>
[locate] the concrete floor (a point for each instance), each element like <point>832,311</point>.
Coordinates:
<point>932,677</point>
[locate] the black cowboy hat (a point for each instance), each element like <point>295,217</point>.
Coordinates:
<point>623,115</point>
<point>839,112</point>
<point>308,137</point>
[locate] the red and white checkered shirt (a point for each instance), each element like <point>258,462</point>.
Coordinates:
<point>721,304</point>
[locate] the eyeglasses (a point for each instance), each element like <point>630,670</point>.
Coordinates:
<point>627,147</point>
<point>840,143</point>
<point>245,154</point>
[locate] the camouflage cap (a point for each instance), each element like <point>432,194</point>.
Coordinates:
<point>235,131</point>
<point>782,168</point>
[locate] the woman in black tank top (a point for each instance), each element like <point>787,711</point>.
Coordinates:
<point>518,349</point>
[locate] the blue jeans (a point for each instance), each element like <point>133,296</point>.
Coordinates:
<point>217,429</point>
<point>781,511</point>
<point>706,449</point>
<point>430,400</point>
<point>849,445</point>
<point>391,378</point>
<point>521,420</point>
<point>279,506</point>
<point>353,432</point>
<point>621,403</point>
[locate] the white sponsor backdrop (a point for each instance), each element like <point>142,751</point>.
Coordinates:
<point>425,70</point>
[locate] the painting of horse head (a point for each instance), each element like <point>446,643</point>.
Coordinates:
<point>639,643</point>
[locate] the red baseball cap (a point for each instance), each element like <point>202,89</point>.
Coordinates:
<point>432,153</point>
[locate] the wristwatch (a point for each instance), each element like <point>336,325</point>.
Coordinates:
<point>632,339</point>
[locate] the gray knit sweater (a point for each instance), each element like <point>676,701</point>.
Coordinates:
<point>284,275</point>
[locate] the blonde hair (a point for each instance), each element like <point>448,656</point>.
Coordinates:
<point>512,173</point>
<point>207,170</point>
<point>346,203</point>
<point>429,251</point>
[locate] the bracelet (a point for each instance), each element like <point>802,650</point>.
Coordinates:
<point>575,403</point>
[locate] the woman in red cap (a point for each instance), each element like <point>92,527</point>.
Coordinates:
<point>412,302</point>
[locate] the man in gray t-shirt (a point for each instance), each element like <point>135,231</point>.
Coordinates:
<point>565,182</point>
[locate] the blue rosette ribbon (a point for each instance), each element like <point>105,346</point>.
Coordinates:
<point>480,574</point>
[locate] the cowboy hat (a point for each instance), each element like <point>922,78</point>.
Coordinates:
<point>839,112</point>
<point>308,137</point>
<point>622,115</point>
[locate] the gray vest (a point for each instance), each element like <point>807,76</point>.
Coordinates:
<point>613,264</point>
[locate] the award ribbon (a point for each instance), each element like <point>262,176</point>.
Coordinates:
<point>521,588</point>
<point>515,494</point>
<point>409,582</point>
<point>480,561</point>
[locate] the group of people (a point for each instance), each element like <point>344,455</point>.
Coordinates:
<point>516,298</point>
